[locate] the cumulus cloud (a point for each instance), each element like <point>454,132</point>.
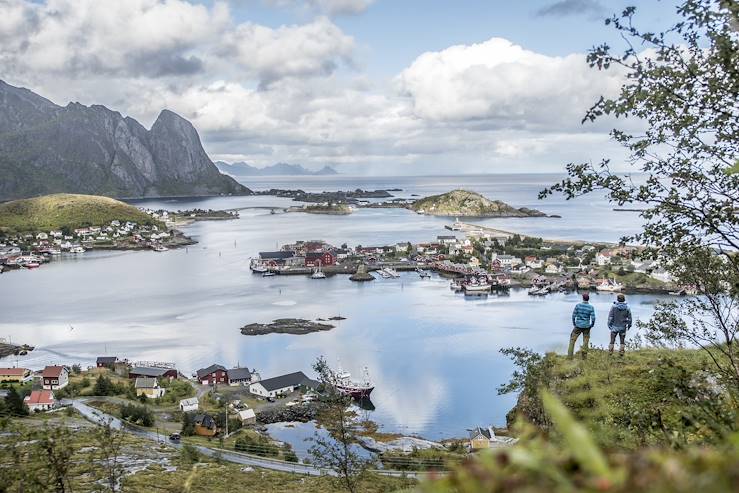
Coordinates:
<point>591,8</point>
<point>501,85</point>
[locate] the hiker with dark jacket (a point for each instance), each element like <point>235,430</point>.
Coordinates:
<point>583,319</point>
<point>619,321</point>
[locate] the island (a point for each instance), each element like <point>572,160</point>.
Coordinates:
<point>463,203</point>
<point>295,326</point>
<point>332,209</point>
<point>340,196</point>
<point>8,349</point>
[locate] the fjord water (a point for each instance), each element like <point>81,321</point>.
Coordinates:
<point>433,355</point>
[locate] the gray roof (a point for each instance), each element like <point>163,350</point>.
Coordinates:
<point>107,359</point>
<point>290,380</point>
<point>276,255</point>
<point>146,383</point>
<point>207,371</point>
<point>480,431</point>
<point>148,371</point>
<point>239,374</point>
<point>205,420</point>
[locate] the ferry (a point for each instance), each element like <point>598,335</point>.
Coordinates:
<point>609,285</point>
<point>356,389</point>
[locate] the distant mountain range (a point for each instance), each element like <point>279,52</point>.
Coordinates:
<point>280,169</point>
<point>47,148</point>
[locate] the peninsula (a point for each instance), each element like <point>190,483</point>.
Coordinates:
<point>464,203</point>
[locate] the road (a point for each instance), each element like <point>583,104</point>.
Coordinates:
<point>99,417</point>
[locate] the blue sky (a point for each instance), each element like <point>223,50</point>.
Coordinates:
<point>367,86</point>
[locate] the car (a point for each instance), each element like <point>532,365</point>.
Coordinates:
<point>175,437</point>
<point>270,399</point>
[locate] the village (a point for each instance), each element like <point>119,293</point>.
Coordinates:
<point>30,250</point>
<point>479,261</point>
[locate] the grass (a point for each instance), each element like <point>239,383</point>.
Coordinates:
<point>67,212</point>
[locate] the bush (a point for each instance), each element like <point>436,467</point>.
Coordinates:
<point>258,446</point>
<point>137,414</point>
<point>189,454</point>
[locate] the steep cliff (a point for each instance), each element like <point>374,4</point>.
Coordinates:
<point>46,148</point>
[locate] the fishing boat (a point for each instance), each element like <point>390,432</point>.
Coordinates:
<point>318,273</point>
<point>160,248</point>
<point>257,267</point>
<point>356,389</point>
<point>268,274</point>
<point>475,286</point>
<point>423,273</point>
<point>77,249</point>
<point>455,285</point>
<point>609,285</point>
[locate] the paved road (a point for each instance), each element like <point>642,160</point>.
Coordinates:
<point>101,418</point>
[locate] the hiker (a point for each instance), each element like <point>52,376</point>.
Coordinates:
<point>583,319</point>
<point>619,321</point>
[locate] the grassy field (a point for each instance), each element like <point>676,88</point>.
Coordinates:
<point>66,211</point>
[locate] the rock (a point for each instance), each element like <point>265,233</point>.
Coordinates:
<point>301,413</point>
<point>297,326</point>
<point>402,444</point>
<point>362,275</point>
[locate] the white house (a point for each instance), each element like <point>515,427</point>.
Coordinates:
<point>508,260</point>
<point>603,258</point>
<point>54,377</point>
<point>272,387</point>
<point>187,405</point>
<point>661,275</point>
<point>247,416</point>
<point>40,400</point>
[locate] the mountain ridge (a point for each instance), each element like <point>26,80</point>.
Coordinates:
<point>46,148</point>
<point>242,169</point>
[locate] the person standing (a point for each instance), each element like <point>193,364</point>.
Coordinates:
<point>583,319</point>
<point>619,321</point>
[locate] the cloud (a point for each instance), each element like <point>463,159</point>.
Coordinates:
<point>497,84</point>
<point>328,7</point>
<point>591,8</point>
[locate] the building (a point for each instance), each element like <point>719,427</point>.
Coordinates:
<point>247,416</point>
<point>481,438</point>
<point>54,377</point>
<point>190,404</point>
<point>205,425</point>
<point>212,375</point>
<point>149,387</point>
<point>240,376</point>
<point>446,239</point>
<point>284,384</point>
<point>508,261</point>
<point>15,375</point>
<point>152,371</point>
<point>106,361</point>
<point>314,259</point>
<point>273,259</point>
<point>603,258</point>
<point>40,400</point>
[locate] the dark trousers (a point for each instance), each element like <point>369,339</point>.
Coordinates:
<point>622,337</point>
<point>585,341</point>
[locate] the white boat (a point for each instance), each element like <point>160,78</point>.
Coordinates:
<point>391,272</point>
<point>609,286</point>
<point>383,274</point>
<point>318,273</point>
<point>455,285</point>
<point>476,287</point>
<point>537,291</point>
<point>257,267</point>
<point>268,274</point>
<point>160,248</point>
<point>77,249</point>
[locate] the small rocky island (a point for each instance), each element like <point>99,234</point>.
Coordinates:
<point>295,326</point>
<point>8,349</point>
<point>345,197</point>
<point>462,203</point>
<point>332,209</point>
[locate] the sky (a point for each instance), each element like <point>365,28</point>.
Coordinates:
<point>371,87</point>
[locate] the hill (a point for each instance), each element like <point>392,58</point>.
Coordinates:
<point>67,211</point>
<point>46,148</point>
<point>280,169</point>
<point>471,204</point>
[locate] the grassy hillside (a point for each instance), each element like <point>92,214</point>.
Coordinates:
<point>464,203</point>
<point>66,211</point>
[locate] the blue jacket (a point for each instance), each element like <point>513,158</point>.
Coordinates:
<point>583,316</point>
<point>619,318</point>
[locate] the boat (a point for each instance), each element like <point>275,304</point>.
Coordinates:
<point>383,274</point>
<point>268,274</point>
<point>318,273</point>
<point>538,291</point>
<point>609,285</point>
<point>355,389</point>
<point>423,273</point>
<point>31,265</point>
<point>391,272</point>
<point>77,249</point>
<point>160,248</point>
<point>475,286</point>
<point>455,285</point>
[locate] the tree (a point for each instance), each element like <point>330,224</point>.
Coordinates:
<point>55,449</point>
<point>110,443</point>
<point>337,451</point>
<point>14,403</point>
<point>188,425</point>
<point>683,90</point>
<point>103,386</point>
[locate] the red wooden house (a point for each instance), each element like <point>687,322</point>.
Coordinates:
<point>212,375</point>
<point>313,259</point>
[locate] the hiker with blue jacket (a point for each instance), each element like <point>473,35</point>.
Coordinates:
<point>619,321</point>
<point>583,319</point>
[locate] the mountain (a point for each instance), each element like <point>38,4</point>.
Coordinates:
<point>67,211</point>
<point>464,203</point>
<point>279,169</point>
<point>46,148</point>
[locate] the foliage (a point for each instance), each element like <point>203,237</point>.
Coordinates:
<point>105,386</point>
<point>67,211</point>
<point>257,445</point>
<point>140,415</point>
<point>176,390</point>
<point>14,404</point>
<point>189,454</point>
<point>337,451</point>
<point>109,445</point>
<point>188,425</point>
<point>683,89</point>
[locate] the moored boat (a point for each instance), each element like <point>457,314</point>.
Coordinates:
<point>355,389</point>
<point>609,285</point>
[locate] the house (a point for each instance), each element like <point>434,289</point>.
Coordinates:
<point>661,275</point>
<point>553,268</point>
<point>205,425</point>
<point>284,384</point>
<point>212,375</point>
<point>239,376</point>
<point>149,387</point>
<point>106,361</point>
<point>40,400</point>
<point>603,258</point>
<point>314,259</point>
<point>15,375</point>
<point>508,261</point>
<point>275,258</point>
<point>484,438</point>
<point>54,377</point>
<point>152,371</point>
<point>247,416</point>
<point>446,239</point>
<point>190,404</point>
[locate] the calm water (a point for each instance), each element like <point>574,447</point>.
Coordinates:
<point>433,355</point>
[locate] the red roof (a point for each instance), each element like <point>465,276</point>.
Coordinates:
<point>16,372</point>
<point>40,397</point>
<point>52,372</point>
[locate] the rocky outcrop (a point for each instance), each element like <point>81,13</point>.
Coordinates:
<point>302,413</point>
<point>46,148</point>
<point>463,203</point>
<point>296,326</point>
